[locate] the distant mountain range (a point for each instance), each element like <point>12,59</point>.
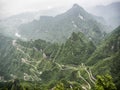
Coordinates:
<point>109,12</point>
<point>60,27</point>
<point>10,24</point>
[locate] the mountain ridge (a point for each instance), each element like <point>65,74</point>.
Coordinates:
<point>60,27</point>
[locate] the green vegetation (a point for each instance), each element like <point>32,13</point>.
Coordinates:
<point>115,70</point>
<point>76,50</point>
<point>104,82</point>
<point>73,65</point>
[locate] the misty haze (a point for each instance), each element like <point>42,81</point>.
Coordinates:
<point>59,45</point>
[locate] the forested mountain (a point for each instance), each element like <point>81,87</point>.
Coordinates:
<point>60,27</point>
<point>70,51</point>
<point>46,63</point>
<point>38,61</point>
<point>76,50</point>
<point>32,53</point>
<point>106,56</point>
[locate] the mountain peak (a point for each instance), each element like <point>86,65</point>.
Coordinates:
<point>76,6</point>
<point>76,10</point>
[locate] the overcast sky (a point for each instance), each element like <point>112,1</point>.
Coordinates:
<point>11,7</point>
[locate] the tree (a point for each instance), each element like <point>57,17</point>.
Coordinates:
<point>115,70</point>
<point>59,86</point>
<point>104,82</point>
<point>16,85</point>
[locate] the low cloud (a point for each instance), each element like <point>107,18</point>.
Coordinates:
<point>11,7</point>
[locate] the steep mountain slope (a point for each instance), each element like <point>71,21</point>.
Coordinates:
<point>109,47</point>
<point>43,62</point>
<point>60,27</point>
<point>106,56</point>
<point>115,69</point>
<point>11,59</point>
<point>76,50</point>
<point>46,63</point>
<point>20,59</point>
